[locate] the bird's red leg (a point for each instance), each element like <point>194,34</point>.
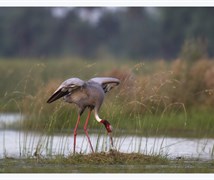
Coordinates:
<point>75,132</point>
<point>85,129</point>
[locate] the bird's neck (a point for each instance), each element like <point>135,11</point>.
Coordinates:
<point>104,122</point>
<point>97,116</point>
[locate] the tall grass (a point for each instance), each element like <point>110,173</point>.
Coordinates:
<point>154,98</point>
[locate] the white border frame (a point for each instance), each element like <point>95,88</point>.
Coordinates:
<point>115,3</point>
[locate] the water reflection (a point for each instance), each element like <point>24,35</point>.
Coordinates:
<point>9,118</point>
<point>16,144</point>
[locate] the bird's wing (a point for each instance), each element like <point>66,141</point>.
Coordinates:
<point>107,83</point>
<point>65,88</point>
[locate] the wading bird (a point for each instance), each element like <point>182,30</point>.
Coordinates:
<point>86,94</point>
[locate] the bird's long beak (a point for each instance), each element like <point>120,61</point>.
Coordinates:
<point>111,139</point>
<point>58,94</point>
<point>109,130</point>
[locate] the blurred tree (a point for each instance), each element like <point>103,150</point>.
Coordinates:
<point>202,27</point>
<point>107,32</point>
<point>129,32</point>
<point>179,25</point>
<point>25,31</point>
<point>193,50</point>
<point>139,34</point>
<point>132,32</point>
<point>74,36</point>
<point>174,22</point>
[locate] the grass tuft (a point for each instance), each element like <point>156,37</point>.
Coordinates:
<point>115,157</point>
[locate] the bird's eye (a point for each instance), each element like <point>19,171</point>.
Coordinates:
<point>64,89</point>
<point>72,85</point>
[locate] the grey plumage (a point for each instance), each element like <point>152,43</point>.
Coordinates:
<point>86,94</point>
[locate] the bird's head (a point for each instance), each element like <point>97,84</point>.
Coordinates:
<point>107,125</point>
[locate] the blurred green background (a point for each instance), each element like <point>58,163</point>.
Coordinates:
<point>163,57</point>
<point>123,32</point>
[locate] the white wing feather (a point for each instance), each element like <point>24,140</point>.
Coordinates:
<point>70,83</point>
<point>65,88</point>
<point>107,83</point>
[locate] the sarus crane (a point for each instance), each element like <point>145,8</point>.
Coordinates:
<point>86,94</point>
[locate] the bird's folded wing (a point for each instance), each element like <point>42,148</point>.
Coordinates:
<point>66,88</point>
<point>107,83</point>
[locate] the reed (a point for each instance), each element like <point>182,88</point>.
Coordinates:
<point>154,98</point>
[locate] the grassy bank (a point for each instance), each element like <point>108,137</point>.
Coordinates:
<point>113,162</point>
<point>154,98</point>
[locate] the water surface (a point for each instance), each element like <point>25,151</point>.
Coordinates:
<point>9,118</point>
<point>18,143</point>
<point>24,144</point>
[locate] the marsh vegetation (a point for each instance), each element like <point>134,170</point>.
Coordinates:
<point>154,98</point>
<point>159,98</point>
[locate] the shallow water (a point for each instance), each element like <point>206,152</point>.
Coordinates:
<point>23,144</point>
<point>16,144</point>
<point>9,118</point>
